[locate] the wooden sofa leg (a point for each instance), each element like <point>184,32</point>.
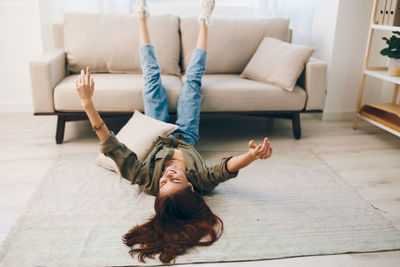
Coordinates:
<point>296,125</point>
<point>60,129</point>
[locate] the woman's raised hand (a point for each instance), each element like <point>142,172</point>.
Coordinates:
<point>261,151</point>
<point>85,86</point>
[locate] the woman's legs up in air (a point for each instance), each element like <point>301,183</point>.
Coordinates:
<point>189,101</point>
<point>154,94</point>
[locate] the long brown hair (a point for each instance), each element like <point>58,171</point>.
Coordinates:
<point>182,220</point>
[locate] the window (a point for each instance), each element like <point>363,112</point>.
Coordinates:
<point>192,7</point>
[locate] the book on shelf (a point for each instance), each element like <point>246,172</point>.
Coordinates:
<point>388,13</point>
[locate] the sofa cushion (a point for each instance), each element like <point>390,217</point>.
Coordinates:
<point>278,63</point>
<point>110,42</point>
<point>231,41</point>
<point>113,92</point>
<point>221,92</point>
<point>229,92</point>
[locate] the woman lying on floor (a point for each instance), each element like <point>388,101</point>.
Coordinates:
<point>173,171</point>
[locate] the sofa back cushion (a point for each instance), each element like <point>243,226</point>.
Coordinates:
<point>110,42</point>
<point>231,41</point>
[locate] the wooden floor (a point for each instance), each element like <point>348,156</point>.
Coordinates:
<point>367,158</point>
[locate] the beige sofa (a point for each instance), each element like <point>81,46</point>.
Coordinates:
<point>109,44</point>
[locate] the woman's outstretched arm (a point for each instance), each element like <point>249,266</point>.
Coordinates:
<point>85,89</point>
<point>125,159</point>
<point>261,151</point>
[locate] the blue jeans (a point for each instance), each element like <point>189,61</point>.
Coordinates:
<point>189,100</point>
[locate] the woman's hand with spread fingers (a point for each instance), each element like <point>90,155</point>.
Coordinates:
<point>85,86</point>
<point>261,151</point>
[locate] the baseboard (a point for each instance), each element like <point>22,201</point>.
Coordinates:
<point>317,116</point>
<point>337,116</point>
<point>16,107</point>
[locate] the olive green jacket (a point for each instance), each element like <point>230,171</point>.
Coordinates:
<point>147,173</point>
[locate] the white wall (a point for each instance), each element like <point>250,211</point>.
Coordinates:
<point>323,29</point>
<point>20,42</point>
<point>344,49</point>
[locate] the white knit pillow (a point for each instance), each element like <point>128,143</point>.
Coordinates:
<point>277,62</point>
<point>139,134</point>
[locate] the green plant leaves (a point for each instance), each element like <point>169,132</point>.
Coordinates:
<point>393,49</point>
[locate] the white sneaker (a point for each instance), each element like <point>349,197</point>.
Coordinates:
<point>142,8</point>
<point>207,7</point>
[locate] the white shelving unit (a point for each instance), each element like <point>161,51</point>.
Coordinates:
<point>390,130</point>
<point>385,27</point>
<point>383,115</point>
<point>383,75</point>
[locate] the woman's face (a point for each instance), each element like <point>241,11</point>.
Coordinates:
<point>173,180</point>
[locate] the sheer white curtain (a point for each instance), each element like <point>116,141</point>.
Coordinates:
<point>99,6</point>
<point>300,12</point>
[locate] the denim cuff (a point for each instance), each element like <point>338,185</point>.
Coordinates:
<point>146,51</point>
<point>146,46</point>
<point>200,51</point>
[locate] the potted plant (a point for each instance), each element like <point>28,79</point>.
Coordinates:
<point>393,52</point>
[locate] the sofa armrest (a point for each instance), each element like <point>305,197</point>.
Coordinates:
<point>46,72</point>
<point>313,80</point>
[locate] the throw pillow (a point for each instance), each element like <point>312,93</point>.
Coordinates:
<point>277,62</point>
<point>139,134</point>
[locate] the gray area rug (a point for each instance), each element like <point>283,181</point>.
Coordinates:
<point>290,205</point>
